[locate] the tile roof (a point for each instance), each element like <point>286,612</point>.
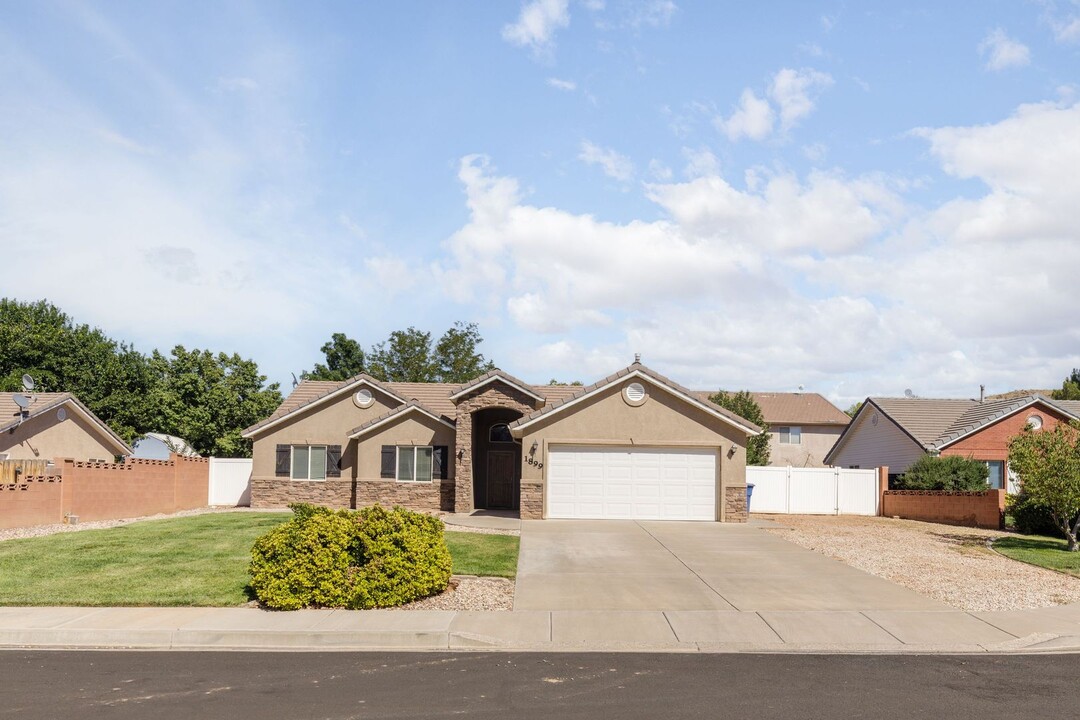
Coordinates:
<point>489,375</point>
<point>793,408</point>
<point>400,409</point>
<point>43,402</point>
<point>624,372</point>
<point>310,392</point>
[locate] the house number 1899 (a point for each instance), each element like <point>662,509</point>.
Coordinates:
<point>531,461</point>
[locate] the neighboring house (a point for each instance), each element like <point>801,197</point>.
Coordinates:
<point>159,446</point>
<point>55,425</point>
<point>898,431</point>
<point>633,445</point>
<point>802,426</point>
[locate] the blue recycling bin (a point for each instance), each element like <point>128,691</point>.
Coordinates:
<point>749,494</point>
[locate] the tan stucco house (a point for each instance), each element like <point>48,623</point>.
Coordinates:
<point>632,445</point>
<point>895,432</point>
<point>55,425</point>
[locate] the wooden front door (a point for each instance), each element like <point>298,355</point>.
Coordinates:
<point>500,479</point>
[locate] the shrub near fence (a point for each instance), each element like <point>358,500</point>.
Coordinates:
<point>984,509</point>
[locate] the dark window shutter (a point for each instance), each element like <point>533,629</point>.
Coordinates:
<point>281,468</point>
<point>333,461</point>
<point>439,462</point>
<point>389,455</point>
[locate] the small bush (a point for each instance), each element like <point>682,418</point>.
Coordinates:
<point>950,474</point>
<point>375,557</point>
<point>1031,518</point>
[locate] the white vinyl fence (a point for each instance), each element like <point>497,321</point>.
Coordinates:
<point>814,491</point>
<point>230,481</point>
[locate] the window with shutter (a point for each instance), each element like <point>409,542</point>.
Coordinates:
<point>333,461</point>
<point>281,465</point>
<point>389,456</point>
<point>440,462</point>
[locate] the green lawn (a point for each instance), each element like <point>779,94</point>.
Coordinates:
<point>200,560</point>
<point>1043,551</point>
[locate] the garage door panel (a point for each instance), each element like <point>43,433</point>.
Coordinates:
<point>632,483</point>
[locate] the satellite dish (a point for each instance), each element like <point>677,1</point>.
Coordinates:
<point>295,382</point>
<point>28,383</point>
<point>908,393</point>
<point>22,401</point>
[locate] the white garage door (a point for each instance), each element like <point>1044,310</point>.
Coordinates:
<point>631,483</point>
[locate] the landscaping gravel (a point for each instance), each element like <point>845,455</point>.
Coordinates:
<point>948,563</point>
<point>470,593</point>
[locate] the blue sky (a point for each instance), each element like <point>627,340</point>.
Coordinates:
<point>853,197</point>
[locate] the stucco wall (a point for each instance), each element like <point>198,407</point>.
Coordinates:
<point>868,445</point>
<point>817,440</point>
<point>47,438</point>
<point>607,419</point>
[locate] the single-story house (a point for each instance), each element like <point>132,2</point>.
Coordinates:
<point>161,446</point>
<point>54,425</point>
<point>632,445</point>
<point>898,431</point>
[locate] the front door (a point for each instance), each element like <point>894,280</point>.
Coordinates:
<point>500,479</point>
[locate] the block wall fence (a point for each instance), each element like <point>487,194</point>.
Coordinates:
<point>106,491</point>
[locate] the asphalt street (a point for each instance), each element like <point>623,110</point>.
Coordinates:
<point>166,685</point>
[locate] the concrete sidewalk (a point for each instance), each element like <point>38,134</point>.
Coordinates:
<point>950,631</point>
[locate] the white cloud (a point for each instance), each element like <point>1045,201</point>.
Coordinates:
<point>659,171</point>
<point>537,24</point>
<point>794,92</point>
<point>835,282</point>
<point>752,119</point>
<point>815,152</point>
<point>1067,30</point>
<point>655,13</point>
<point>565,85</point>
<point>1002,52</point>
<point>391,273</point>
<point>700,162</point>
<point>615,166</point>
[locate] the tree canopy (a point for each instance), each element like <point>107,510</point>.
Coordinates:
<point>854,409</point>
<point>1047,462</point>
<point>344,359</point>
<point>742,403</point>
<point>1070,388</point>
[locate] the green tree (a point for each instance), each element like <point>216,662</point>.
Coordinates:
<point>209,399</point>
<point>1070,388</point>
<point>456,357</point>
<point>344,359</point>
<point>855,407</point>
<point>111,378</point>
<point>576,383</point>
<point>951,473</point>
<point>742,403</point>
<point>404,357</point>
<point>1048,465</point>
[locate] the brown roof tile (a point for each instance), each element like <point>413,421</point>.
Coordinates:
<point>793,408</point>
<point>412,404</point>
<point>496,373</point>
<point>309,392</point>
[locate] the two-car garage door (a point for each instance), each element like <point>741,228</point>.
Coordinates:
<point>631,483</point>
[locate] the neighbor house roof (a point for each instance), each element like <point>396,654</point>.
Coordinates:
<point>640,371</point>
<point>778,408</point>
<point>935,424</point>
<point>11,415</point>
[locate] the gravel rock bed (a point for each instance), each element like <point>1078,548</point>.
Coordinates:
<point>948,563</point>
<point>467,592</point>
<point>42,530</point>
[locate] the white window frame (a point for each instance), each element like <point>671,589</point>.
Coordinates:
<point>292,452</point>
<point>780,434</point>
<point>1004,474</point>
<point>414,449</point>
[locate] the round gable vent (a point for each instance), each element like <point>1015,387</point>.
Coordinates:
<point>1035,422</point>
<point>634,393</point>
<point>61,414</point>
<point>363,398</point>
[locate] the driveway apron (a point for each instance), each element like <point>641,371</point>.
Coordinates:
<point>639,565</point>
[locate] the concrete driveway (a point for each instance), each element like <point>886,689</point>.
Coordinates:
<point>631,565</point>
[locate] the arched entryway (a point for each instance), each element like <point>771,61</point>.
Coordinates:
<point>496,460</point>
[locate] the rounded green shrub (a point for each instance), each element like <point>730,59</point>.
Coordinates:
<point>1031,518</point>
<point>376,557</point>
<point>951,473</point>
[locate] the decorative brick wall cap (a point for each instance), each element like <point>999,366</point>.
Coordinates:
<point>939,493</point>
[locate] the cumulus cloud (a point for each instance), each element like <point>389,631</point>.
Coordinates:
<point>753,118</point>
<point>1003,52</point>
<point>615,166</point>
<point>564,85</point>
<point>794,92</point>
<point>835,282</point>
<point>537,24</point>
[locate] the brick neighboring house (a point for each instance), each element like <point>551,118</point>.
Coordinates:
<point>633,445</point>
<point>898,431</point>
<point>55,425</point>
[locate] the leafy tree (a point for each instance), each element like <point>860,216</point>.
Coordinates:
<point>456,357</point>
<point>576,383</point>
<point>1070,388</point>
<point>111,378</point>
<point>1048,465</point>
<point>404,357</point>
<point>742,403</point>
<point>855,407</point>
<point>951,473</point>
<point>209,399</point>
<point>344,359</point>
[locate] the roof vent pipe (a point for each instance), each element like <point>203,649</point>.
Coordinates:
<point>637,357</point>
<point>982,393</point>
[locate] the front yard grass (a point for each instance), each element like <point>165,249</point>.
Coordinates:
<point>1042,551</point>
<point>200,560</point>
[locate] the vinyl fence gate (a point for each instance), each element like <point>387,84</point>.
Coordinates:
<point>230,481</point>
<point>814,491</point>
